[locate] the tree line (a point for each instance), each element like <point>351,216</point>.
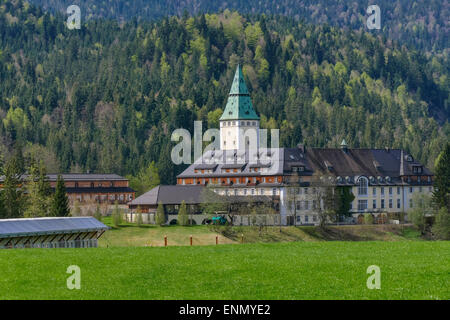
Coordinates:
<point>26,191</point>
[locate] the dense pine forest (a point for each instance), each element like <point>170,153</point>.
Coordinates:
<point>106,98</point>
<point>421,23</point>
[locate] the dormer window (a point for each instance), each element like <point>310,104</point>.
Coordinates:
<point>409,158</point>
<point>388,179</point>
<point>417,169</point>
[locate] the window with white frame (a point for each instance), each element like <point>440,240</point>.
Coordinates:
<point>362,186</point>
<point>362,205</point>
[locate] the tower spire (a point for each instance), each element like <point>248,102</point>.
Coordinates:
<point>239,105</point>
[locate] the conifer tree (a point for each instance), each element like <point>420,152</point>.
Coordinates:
<point>12,195</point>
<point>60,202</point>
<point>441,192</point>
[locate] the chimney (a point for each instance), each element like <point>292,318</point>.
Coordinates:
<point>344,146</point>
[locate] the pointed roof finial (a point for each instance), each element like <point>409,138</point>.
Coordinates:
<point>238,86</point>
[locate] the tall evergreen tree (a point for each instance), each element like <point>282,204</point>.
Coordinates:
<point>12,195</point>
<point>344,200</point>
<point>60,202</point>
<point>441,191</point>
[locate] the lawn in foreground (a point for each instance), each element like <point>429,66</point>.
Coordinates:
<point>300,270</point>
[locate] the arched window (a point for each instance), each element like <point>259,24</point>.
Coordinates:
<point>362,186</point>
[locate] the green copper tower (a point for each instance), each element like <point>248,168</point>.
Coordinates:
<point>239,123</point>
<point>239,105</point>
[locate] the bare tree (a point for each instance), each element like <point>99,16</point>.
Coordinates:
<point>293,192</point>
<point>324,197</point>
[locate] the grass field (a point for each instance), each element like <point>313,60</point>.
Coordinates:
<point>130,235</point>
<point>297,270</point>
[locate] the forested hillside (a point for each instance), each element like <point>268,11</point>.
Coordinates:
<point>423,24</point>
<point>107,97</point>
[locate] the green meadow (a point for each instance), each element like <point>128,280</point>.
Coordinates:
<point>295,270</point>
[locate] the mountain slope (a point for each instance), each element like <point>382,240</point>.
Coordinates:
<point>107,97</point>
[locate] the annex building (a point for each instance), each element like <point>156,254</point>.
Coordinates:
<point>382,180</point>
<point>92,188</point>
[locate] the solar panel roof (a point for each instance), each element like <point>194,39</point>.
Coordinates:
<point>49,225</point>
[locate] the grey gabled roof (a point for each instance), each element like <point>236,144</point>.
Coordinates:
<point>80,177</point>
<point>86,176</point>
<point>170,195</point>
<point>338,162</point>
<point>50,225</point>
<point>190,194</point>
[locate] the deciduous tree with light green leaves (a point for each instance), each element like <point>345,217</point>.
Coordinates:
<point>420,210</point>
<point>183,219</point>
<point>38,199</point>
<point>441,226</point>
<point>117,215</point>
<point>146,179</point>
